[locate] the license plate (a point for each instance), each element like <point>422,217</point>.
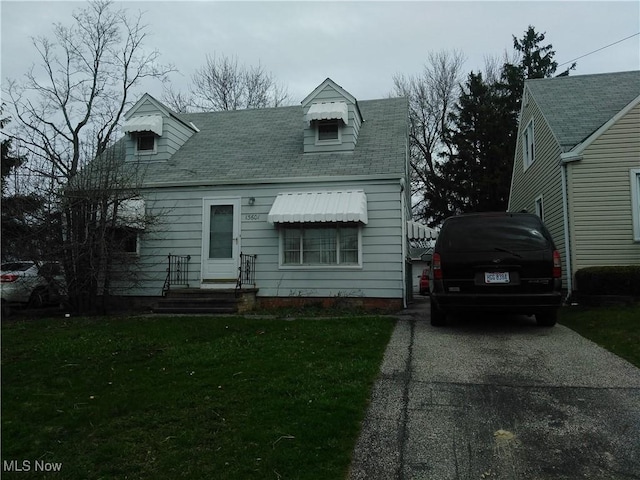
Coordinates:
<point>496,277</point>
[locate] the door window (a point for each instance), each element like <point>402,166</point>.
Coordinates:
<point>221,231</point>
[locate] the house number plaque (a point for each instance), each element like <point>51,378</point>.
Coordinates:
<point>252,217</point>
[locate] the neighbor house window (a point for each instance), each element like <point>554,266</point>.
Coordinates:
<point>539,207</point>
<point>145,142</point>
<point>635,202</point>
<point>320,245</point>
<point>328,131</point>
<point>528,150</point>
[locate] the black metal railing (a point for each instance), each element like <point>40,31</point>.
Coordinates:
<point>246,271</point>
<point>177,272</point>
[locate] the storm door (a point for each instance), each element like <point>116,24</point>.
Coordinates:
<point>220,241</point>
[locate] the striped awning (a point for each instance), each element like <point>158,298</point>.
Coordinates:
<point>328,111</point>
<point>299,207</point>
<point>419,231</point>
<point>144,123</point>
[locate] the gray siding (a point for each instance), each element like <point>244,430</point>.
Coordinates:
<point>179,232</point>
<point>542,178</point>
<point>600,197</point>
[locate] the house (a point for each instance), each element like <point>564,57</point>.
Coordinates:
<point>577,165</point>
<point>312,201</point>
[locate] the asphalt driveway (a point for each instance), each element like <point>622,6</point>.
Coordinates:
<point>499,398</point>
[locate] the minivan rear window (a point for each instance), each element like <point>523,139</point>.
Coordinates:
<point>476,234</point>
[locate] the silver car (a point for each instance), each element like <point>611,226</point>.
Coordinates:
<point>30,283</point>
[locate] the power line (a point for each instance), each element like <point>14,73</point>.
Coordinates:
<point>602,48</point>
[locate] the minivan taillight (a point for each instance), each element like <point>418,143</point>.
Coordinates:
<point>8,278</point>
<point>437,267</point>
<point>557,265</point>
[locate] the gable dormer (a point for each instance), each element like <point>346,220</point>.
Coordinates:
<point>153,131</point>
<point>332,119</point>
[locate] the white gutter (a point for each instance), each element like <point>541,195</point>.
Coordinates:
<point>565,159</point>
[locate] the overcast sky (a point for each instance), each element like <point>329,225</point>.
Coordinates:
<point>360,45</point>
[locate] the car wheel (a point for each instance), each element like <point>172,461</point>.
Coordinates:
<point>547,319</point>
<point>438,317</point>
<point>38,298</point>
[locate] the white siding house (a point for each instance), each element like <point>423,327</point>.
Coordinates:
<point>577,164</point>
<point>318,193</point>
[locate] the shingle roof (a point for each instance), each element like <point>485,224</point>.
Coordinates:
<point>250,145</point>
<point>576,106</point>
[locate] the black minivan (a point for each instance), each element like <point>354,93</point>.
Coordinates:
<point>502,262</point>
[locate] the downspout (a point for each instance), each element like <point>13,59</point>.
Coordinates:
<point>565,159</point>
<point>403,207</point>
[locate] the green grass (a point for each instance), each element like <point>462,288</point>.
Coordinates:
<point>181,397</point>
<point>615,328</point>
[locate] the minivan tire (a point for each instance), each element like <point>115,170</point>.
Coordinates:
<point>547,319</point>
<point>438,317</point>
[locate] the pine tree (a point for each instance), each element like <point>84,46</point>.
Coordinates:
<point>479,170</point>
<point>20,212</point>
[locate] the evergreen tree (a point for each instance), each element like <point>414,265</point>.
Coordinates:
<point>479,171</point>
<point>536,61</point>
<point>19,218</point>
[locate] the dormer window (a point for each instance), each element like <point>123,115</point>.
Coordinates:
<point>145,142</point>
<point>328,131</point>
<point>145,131</point>
<point>332,120</point>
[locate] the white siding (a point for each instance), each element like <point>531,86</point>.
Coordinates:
<point>600,197</point>
<point>179,232</point>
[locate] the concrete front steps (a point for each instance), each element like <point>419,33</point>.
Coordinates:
<point>212,301</point>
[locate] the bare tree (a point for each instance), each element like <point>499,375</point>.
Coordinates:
<point>67,111</point>
<point>178,101</point>
<point>432,96</point>
<point>223,84</point>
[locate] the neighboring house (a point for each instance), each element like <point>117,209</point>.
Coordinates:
<point>577,165</point>
<point>421,242</point>
<point>319,193</point>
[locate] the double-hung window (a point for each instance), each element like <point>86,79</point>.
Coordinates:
<point>528,145</point>
<point>635,202</point>
<point>327,245</point>
<point>539,207</point>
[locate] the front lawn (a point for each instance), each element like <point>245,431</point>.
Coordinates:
<point>172,397</point>
<point>615,328</point>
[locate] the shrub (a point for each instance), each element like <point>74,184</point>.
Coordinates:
<point>611,280</point>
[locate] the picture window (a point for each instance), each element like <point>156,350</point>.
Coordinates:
<point>319,246</point>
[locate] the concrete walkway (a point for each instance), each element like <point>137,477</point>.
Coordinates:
<point>498,398</point>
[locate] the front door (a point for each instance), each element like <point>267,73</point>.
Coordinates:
<point>220,241</point>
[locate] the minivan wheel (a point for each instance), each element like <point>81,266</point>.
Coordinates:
<point>547,319</point>
<point>438,317</point>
